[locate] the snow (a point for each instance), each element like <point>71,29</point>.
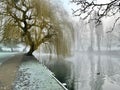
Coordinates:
<point>5,55</point>
<point>34,76</point>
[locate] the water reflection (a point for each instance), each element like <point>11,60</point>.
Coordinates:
<point>97,78</point>
<point>87,71</point>
<point>63,71</point>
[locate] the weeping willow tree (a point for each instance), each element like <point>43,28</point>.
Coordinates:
<point>11,36</point>
<point>37,22</point>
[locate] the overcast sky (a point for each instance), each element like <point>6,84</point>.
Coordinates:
<point>69,6</point>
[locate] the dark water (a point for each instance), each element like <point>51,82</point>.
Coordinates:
<point>87,71</point>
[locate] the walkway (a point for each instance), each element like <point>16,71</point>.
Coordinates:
<point>25,73</point>
<point>34,76</point>
<point>8,71</point>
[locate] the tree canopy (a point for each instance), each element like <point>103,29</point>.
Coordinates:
<point>36,22</point>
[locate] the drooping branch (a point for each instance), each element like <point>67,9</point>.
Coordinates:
<point>87,8</point>
<point>114,25</point>
<point>102,9</point>
<point>38,23</point>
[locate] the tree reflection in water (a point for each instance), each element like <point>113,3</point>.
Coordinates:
<point>63,71</point>
<point>97,77</point>
<point>87,71</point>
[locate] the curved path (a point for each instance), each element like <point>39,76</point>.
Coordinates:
<point>22,72</point>
<point>8,70</point>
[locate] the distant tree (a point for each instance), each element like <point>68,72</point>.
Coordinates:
<point>92,29</point>
<point>99,35</point>
<point>98,31</point>
<point>37,22</point>
<point>112,39</point>
<point>81,35</point>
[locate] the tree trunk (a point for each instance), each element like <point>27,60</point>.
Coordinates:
<point>31,43</point>
<point>12,49</point>
<point>31,50</point>
<point>98,42</point>
<point>1,49</point>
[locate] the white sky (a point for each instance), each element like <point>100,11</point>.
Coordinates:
<point>69,6</point>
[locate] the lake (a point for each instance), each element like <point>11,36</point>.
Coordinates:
<point>87,71</point>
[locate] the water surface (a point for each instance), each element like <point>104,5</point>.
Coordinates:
<point>86,71</point>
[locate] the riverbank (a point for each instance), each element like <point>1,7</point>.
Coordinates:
<point>26,73</point>
<point>34,76</point>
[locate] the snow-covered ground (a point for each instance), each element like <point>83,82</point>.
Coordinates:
<point>6,55</point>
<point>34,76</point>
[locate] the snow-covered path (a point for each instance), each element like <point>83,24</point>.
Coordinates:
<point>5,56</point>
<point>8,71</point>
<point>34,76</point>
<point>21,72</point>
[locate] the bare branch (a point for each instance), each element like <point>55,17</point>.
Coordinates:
<point>114,25</point>
<point>84,5</point>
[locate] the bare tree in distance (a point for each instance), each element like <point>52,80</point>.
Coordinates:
<point>107,9</point>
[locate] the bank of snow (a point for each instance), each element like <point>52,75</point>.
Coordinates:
<point>34,76</point>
